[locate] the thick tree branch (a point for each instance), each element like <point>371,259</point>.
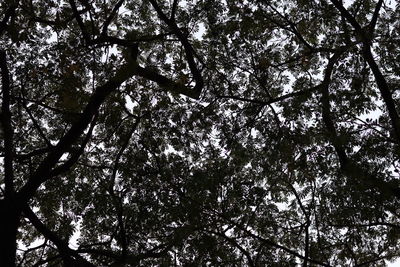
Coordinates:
<point>111,17</point>
<point>75,155</point>
<point>346,14</point>
<point>367,54</point>
<point>385,92</point>
<point>349,168</point>
<point>326,111</point>
<point>78,18</point>
<point>42,172</point>
<point>70,257</point>
<point>167,83</point>
<point>186,45</point>
<point>173,10</point>
<point>8,131</point>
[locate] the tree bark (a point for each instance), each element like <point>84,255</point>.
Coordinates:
<point>10,214</point>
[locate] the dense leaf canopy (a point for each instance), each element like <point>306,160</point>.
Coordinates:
<point>199,133</point>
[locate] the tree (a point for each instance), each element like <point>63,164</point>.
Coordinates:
<point>234,133</point>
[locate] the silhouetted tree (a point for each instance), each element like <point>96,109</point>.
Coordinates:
<point>191,133</point>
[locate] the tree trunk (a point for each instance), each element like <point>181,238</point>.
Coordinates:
<point>9,222</point>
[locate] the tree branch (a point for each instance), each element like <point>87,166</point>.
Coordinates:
<point>42,172</point>
<point>187,47</point>
<point>37,152</point>
<point>75,156</point>
<point>349,168</point>
<point>367,54</point>
<point>234,243</point>
<point>8,131</point>
<point>111,17</point>
<point>78,18</point>
<point>66,252</point>
<point>173,10</point>
<point>346,14</point>
<point>118,203</point>
<point>374,18</point>
<point>276,245</point>
<point>167,83</point>
<point>385,92</point>
<point>35,123</point>
<point>292,26</point>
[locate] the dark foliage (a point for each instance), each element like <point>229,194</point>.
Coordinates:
<point>199,133</point>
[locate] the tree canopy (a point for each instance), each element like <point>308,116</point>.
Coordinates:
<point>199,133</point>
